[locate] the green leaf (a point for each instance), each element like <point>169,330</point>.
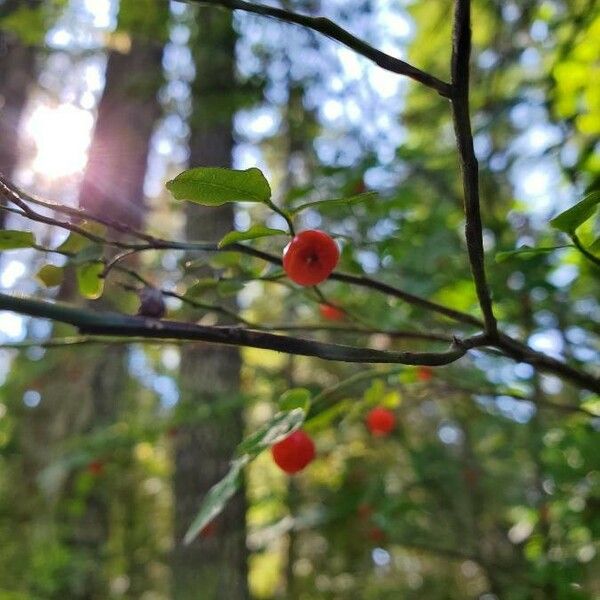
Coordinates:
<point>28,23</point>
<point>50,275</point>
<point>213,186</point>
<point>279,427</point>
<point>216,499</point>
<point>198,288</point>
<point>87,254</point>
<point>74,243</point>
<point>295,398</point>
<point>229,287</point>
<point>255,232</point>
<point>595,246</point>
<point>11,239</point>
<point>89,281</point>
<point>323,419</point>
<point>224,260</point>
<point>569,220</point>
<point>525,252</point>
<point>592,405</point>
<point>364,197</point>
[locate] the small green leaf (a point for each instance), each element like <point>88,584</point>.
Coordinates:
<point>213,186</point>
<point>50,275</point>
<point>279,427</point>
<point>73,244</point>
<point>89,281</point>
<point>216,499</point>
<point>11,239</point>
<point>592,405</point>
<point>229,287</point>
<point>595,246</point>
<point>569,220</point>
<point>224,260</point>
<point>364,197</point>
<point>87,254</point>
<point>295,398</point>
<point>255,232</point>
<point>323,419</point>
<point>198,288</point>
<point>525,252</point>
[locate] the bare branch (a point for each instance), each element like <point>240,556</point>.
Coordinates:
<point>593,259</point>
<point>337,33</point>
<point>115,324</point>
<point>461,52</point>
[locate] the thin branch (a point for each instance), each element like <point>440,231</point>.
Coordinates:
<point>523,353</point>
<point>16,195</point>
<point>337,33</point>
<point>499,343</point>
<point>593,259</point>
<point>83,340</point>
<point>539,402</point>
<point>115,324</point>
<point>461,52</point>
<point>392,333</point>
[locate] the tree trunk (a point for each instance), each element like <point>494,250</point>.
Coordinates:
<point>86,389</point>
<point>17,73</point>
<point>213,566</point>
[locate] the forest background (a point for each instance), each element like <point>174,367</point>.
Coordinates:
<point>483,344</point>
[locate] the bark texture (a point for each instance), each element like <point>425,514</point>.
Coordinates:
<point>214,566</point>
<point>17,72</point>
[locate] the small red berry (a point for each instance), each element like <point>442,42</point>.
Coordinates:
<point>360,187</point>
<point>380,421</point>
<point>424,373</point>
<point>96,467</point>
<point>310,257</point>
<point>209,530</point>
<point>364,511</point>
<point>376,535</point>
<point>331,313</point>
<point>294,452</point>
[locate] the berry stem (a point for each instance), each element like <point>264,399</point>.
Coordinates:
<point>283,214</point>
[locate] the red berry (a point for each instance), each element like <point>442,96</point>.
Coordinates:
<point>331,313</point>
<point>376,535</point>
<point>380,421</point>
<point>364,511</point>
<point>424,373</point>
<point>209,530</point>
<point>294,452</point>
<point>360,187</point>
<point>96,467</point>
<point>310,257</point>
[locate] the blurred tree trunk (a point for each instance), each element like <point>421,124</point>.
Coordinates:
<point>17,62</point>
<point>113,185</point>
<point>213,566</point>
<point>87,390</point>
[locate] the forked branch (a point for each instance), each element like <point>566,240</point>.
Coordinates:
<point>335,32</point>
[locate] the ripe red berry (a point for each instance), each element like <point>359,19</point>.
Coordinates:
<point>96,467</point>
<point>424,373</point>
<point>380,421</point>
<point>365,511</point>
<point>376,535</point>
<point>331,313</point>
<point>310,257</point>
<point>209,530</point>
<point>360,187</point>
<point>294,452</point>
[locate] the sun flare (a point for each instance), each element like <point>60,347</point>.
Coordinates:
<point>61,136</point>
